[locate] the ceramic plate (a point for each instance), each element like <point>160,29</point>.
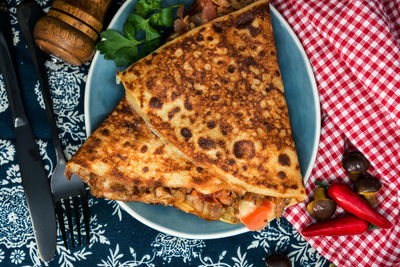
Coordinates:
<point>102,95</point>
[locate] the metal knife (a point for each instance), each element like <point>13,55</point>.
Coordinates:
<point>34,178</point>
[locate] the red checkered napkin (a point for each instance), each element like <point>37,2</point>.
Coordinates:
<point>354,49</point>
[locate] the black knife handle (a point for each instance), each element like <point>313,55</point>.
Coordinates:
<point>28,13</point>
<point>7,68</point>
<point>34,178</point>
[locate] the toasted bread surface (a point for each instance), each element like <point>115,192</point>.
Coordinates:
<point>216,94</point>
<point>118,159</point>
<point>127,152</point>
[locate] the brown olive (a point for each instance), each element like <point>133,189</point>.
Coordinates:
<point>355,164</point>
<point>321,207</point>
<point>278,260</point>
<point>368,185</point>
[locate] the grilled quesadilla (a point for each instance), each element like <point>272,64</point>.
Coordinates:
<point>215,93</point>
<point>124,160</point>
<point>214,97</point>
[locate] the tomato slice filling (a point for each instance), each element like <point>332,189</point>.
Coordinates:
<point>258,218</point>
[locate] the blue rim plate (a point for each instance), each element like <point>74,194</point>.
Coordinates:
<point>102,94</point>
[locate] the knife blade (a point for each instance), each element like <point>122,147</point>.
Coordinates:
<point>33,175</point>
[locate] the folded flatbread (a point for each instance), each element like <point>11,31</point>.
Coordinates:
<point>216,95</point>
<point>206,129</point>
<point>124,160</point>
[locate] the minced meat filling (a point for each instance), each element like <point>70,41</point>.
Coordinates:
<point>221,205</point>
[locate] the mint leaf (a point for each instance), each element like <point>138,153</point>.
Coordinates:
<point>117,47</point>
<point>143,7</point>
<point>143,24</point>
<point>164,17</point>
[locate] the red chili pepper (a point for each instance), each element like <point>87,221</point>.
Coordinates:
<point>345,225</point>
<point>353,203</point>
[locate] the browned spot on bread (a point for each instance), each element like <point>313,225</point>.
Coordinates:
<point>231,69</point>
<point>215,97</point>
<point>197,180</point>
<point>105,132</point>
<point>294,186</point>
<point>188,106</point>
<point>244,167</point>
<point>173,112</point>
<point>249,61</point>
<point>199,169</point>
<point>277,73</point>
<point>174,95</point>
<point>211,124</point>
<point>145,169</point>
<point>199,37</point>
<point>254,31</point>
<point>284,159</point>
<point>244,20</point>
<point>206,143</point>
<point>185,132</point>
<point>244,149</point>
<point>282,175</point>
<point>231,162</point>
<point>143,149</point>
<point>155,103</point>
<point>217,27</point>
<point>159,150</point>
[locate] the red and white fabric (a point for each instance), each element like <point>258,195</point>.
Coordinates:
<point>354,49</point>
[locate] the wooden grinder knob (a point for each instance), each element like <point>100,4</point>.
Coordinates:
<point>71,28</point>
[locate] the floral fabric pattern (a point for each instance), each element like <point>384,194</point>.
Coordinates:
<point>117,239</point>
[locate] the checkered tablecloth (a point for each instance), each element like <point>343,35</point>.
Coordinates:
<point>354,49</point>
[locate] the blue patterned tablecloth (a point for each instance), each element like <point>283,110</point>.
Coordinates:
<point>117,239</point>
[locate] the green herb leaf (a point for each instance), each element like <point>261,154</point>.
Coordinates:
<point>143,24</point>
<point>117,47</point>
<point>143,7</point>
<point>147,23</point>
<point>149,47</point>
<point>129,30</point>
<point>164,17</point>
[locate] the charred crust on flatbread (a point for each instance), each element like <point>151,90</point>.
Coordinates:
<point>172,113</point>
<point>281,175</point>
<point>143,149</point>
<point>244,149</point>
<point>211,124</point>
<point>188,105</point>
<point>105,132</point>
<point>206,143</point>
<point>284,159</point>
<point>155,103</point>
<point>159,150</point>
<point>185,132</point>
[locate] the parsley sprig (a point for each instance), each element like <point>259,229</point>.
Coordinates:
<point>142,33</point>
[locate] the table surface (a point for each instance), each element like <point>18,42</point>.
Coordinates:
<point>116,238</point>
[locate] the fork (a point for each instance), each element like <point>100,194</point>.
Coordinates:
<point>64,191</point>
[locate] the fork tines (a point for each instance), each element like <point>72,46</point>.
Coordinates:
<point>66,204</point>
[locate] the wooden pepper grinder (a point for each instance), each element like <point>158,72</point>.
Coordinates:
<point>71,28</point>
